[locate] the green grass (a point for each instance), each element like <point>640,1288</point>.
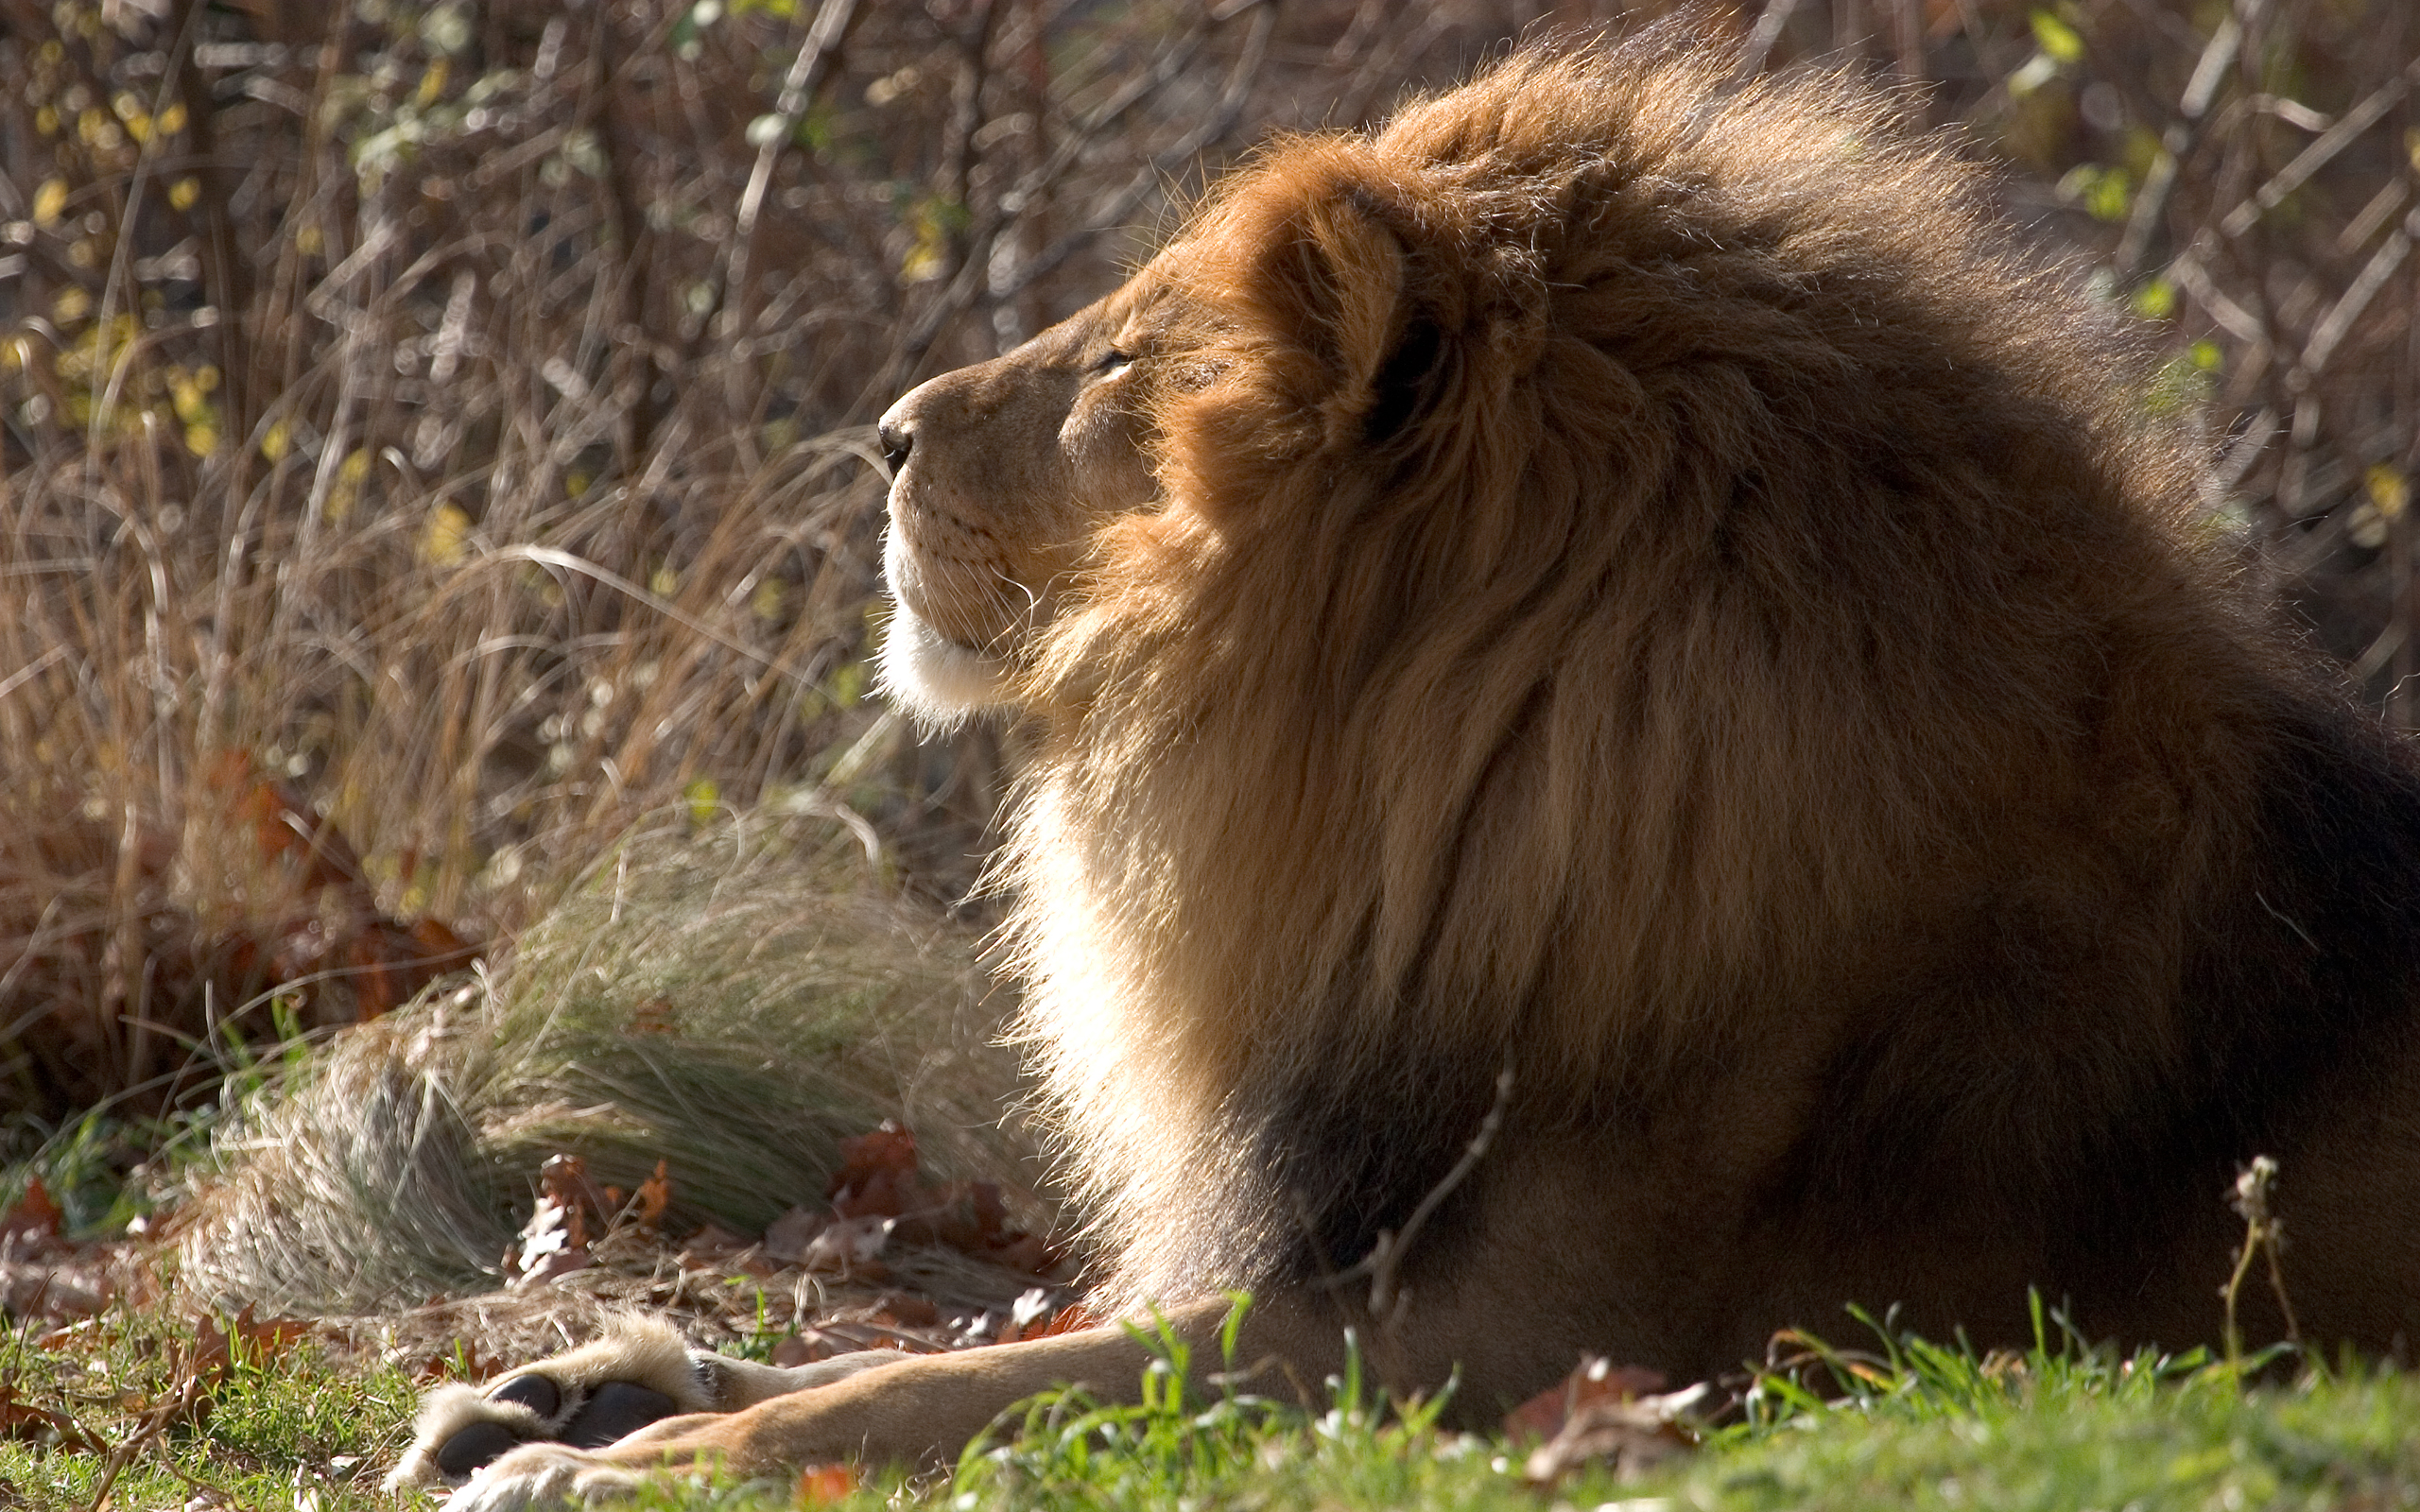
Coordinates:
<point>1920,1426</point>
<point>267,1427</point>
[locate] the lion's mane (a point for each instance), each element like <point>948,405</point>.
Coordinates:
<point>1651,586</point>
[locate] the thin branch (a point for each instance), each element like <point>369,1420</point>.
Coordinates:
<point>1386,1257</point>
<point>2321,152</point>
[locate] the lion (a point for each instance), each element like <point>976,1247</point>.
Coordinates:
<point>1630,743</point>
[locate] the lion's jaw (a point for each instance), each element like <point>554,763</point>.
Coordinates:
<point>936,679</point>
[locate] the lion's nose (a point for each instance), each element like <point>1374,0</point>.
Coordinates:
<point>896,439</point>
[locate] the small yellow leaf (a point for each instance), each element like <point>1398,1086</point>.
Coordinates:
<point>346,490</point>
<point>446,540</point>
<point>2154,301</point>
<point>277,441</point>
<point>432,85</point>
<point>50,201</point>
<point>73,304</point>
<point>170,121</point>
<point>664,582</point>
<point>185,193</point>
<point>2389,488</point>
<point>2056,37</point>
<point>704,796</point>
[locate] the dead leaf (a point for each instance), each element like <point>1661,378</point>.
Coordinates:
<point>878,1176</point>
<point>1029,1253</point>
<point>847,1245</point>
<point>710,1245</point>
<point>24,1420</point>
<point>822,1485</point>
<point>1069,1319</point>
<point>552,1244</point>
<point>34,1215</point>
<point>565,1178</point>
<point>787,1238</point>
<point>653,1195</point>
<point>1605,1413</point>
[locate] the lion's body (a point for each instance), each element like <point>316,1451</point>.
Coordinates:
<point>1751,685</point>
<point>1634,582</point>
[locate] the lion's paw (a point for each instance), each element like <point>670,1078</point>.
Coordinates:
<point>544,1475</point>
<point>639,1373</point>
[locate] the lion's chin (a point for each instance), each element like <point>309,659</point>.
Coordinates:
<point>936,679</point>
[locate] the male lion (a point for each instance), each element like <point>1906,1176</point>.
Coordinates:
<point>1619,609</point>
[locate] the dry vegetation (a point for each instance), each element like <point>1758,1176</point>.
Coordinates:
<point>433,437</point>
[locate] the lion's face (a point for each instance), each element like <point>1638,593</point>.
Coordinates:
<point>1001,473</point>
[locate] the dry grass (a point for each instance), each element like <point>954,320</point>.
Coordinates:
<point>456,415</point>
<point>731,1003</point>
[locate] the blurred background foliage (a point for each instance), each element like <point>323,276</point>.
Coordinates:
<point>433,435</point>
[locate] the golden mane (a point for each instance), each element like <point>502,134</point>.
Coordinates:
<point>1576,469</point>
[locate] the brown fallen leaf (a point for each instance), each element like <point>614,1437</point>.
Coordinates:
<point>552,1244</point>
<point>1029,1253</point>
<point>822,1485</point>
<point>35,1215</point>
<point>848,1246</point>
<point>653,1195</point>
<point>565,1178</point>
<point>1595,1380</point>
<point>713,1244</point>
<point>21,1420</point>
<point>787,1238</point>
<point>214,1348</point>
<point>878,1176</point>
<point>1609,1414</point>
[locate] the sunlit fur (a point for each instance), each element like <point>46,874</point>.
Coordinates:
<point>1753,632</point>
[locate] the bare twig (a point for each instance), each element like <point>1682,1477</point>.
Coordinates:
<point>2317,156</point>
<point>1762,36</point>
<point>1385,1259</point>
<point>2176,143</point>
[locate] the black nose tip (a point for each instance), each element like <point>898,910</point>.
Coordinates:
<point>895,443</point>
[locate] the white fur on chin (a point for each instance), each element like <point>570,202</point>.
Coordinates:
<point>936,679</point>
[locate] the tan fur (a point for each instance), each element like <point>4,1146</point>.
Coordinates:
<point>1634,581</point>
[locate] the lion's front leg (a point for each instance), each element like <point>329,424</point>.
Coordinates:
<point>919,1411</point>
<point>640,1373</point>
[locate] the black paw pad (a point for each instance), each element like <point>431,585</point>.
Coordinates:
<point>536,1393</point>
<point>472,1447</point>
<point>614,1409</point>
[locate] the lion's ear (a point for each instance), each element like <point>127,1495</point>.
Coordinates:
<point>1325,285</point>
